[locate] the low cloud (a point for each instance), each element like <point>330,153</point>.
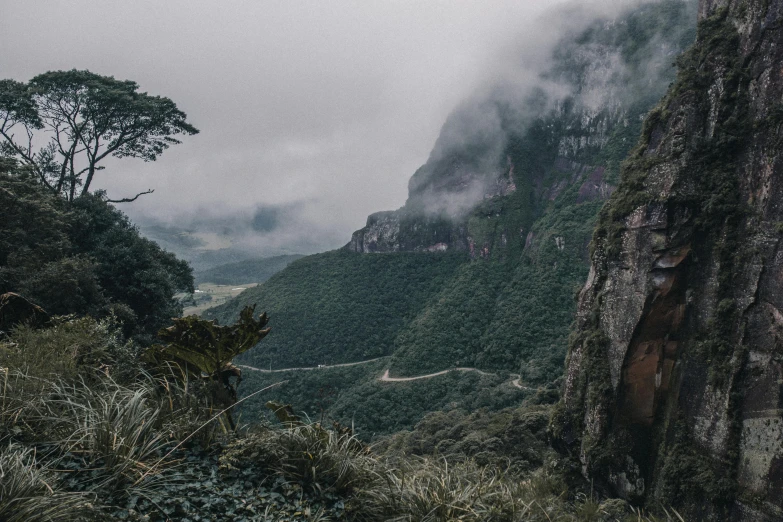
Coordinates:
<point>313,114</point>
<point>538,77</point>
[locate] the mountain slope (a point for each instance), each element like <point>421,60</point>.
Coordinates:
<point>340,307</point>
<point>480,266</point>
<point>247,271</point>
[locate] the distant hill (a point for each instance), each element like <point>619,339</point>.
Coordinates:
<point>247,271</point>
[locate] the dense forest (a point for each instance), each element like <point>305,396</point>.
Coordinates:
<point>85,258</point>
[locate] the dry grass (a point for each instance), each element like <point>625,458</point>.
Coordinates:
<point>116,437</point>
<point>309,454</point>
<point>109,434</point>
<point>417,489</point>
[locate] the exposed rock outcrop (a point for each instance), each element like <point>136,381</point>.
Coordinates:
<point>673,385</point>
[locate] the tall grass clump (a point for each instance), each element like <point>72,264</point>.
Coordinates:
<point>406,488</point>
<point>113,428</point>
<point>432,489</point>
<point>425,489</point>
<point>108,435</point>
<point>318,458</point>
<point>28,491</point>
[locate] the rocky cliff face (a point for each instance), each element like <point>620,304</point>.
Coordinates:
<point>674,376</point>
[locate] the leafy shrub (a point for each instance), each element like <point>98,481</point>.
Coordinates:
<point>130,268</point>
<point>513,440</point>
<point>67,285</point>
<point>71,346</point>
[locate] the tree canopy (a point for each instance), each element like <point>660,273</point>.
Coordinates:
<point>63,124</point>
<point>84,258</point>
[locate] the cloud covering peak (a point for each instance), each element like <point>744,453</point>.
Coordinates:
<point>317,113</point>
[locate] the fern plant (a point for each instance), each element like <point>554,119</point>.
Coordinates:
<point>203,349</point>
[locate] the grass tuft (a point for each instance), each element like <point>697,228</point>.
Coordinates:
<point>28,491</point>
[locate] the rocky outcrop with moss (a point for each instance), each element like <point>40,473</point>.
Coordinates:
<point>672,389</point>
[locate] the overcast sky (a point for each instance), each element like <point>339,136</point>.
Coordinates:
<point>324,106</point>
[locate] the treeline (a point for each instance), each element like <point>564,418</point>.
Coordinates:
<point>84,257</point>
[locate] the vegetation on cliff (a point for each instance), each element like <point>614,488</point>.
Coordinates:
<point>687,214</point>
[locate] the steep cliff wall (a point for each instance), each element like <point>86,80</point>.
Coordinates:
<point>673,383</point>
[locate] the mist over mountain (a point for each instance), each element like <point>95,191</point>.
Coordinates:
<point>326,109</point>
<point>215,235</point>
<point>479,267</point>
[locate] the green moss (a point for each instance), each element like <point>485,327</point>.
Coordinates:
<point>593,388</point>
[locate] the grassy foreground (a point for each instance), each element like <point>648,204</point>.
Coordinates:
<point>87,434</point>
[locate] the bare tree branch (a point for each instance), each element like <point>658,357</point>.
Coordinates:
<point>130,200</point>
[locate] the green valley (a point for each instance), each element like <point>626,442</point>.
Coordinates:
<point>488,282</point>
<point>575,316</point>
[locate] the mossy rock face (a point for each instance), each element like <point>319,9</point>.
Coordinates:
<point>675,319</point>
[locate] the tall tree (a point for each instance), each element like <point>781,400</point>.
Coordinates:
<point>63,124</point>
<point>84,257</point>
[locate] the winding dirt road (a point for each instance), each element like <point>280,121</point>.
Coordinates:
<point>322,367</point>
<point>385,377</point>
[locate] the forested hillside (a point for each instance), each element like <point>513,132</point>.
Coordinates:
<point>480,267</point>
<point>84,257</point>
